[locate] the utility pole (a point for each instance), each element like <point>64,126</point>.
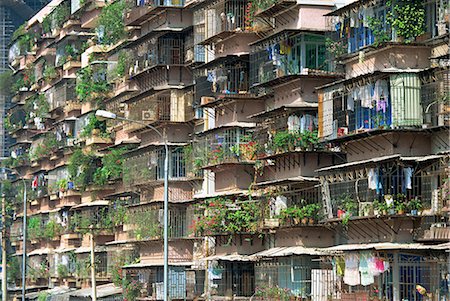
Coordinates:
<point>93,280</point>
<point>4,280</point>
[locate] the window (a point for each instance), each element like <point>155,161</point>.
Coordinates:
<point>177,166</point>
<point>315,52</point>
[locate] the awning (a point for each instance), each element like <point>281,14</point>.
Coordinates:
<point>221,193</point>
<point>422,158</point>
<point>290,180</point>
<point>383,246</point>
<point>104,290</point>
<point>41,251</point>
<point>53,291</point>
<point>88,249</point>
<point>230,257</point>
<point>287,251</point>
<point>93,203</point>
<point>286,109</point>
<point>356,163</point>
<point>380,159</point>
<point>156,263</point>
<point>234,124</point>
<point>64,250</point>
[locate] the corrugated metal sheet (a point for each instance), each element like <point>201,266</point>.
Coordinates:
<point>405,99</point>
<point>288,251</point>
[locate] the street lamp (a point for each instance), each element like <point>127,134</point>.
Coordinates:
<point>109,115</point>
<point>24,230</point>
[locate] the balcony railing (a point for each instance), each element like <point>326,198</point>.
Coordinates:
<point>166,49</point>
<point>148,167</point>
<point>229,78</point>
<point>287,54</point>
<point>140,8</point>
<point>384,103</point>
<point>229,146</point>
<point>58,96</point>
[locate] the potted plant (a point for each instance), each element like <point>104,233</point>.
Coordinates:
<point>414,206</point>
<point>312,212</point>
<point>400,207</point>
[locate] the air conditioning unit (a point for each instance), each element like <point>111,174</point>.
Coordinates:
<point>147,115</point>
<point>205,100</point>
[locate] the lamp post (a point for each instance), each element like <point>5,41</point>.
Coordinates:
<point>109,115</point>
<point>24,230</point>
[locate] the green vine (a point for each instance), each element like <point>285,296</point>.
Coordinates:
<point>110,26</point>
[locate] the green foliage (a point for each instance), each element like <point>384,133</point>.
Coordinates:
<point>81,168</point>
<point>336,48</point>
<point>62,270</point>
<point>47,24</point>
<point>13,268</point>
<point>61,13</point>
<point>123,62</point>
<point>52,229</point>
<point>146,225</point>
<point>42,296</point>
<point>93,124</point>
<point>310,211</point>
<point>132,289</point>
<point>284,141</point>
<point>274,293</point>
<point>6,82</point>
<point>20,31</point>
<point>111,23</point>
<point>407,17</point>
<point>379,32</point>
<point>222,215</point>
<point>111,167</point>
<point>49,73</point>
<point>34,228</point>
<point>90,85</point>
<point>37,106</point>
<point>415,204</point>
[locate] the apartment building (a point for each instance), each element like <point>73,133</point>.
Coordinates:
<point>308,150</point>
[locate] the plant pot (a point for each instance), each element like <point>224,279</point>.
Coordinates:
<point>311,221</point>
<point>297,221</point>
<point>400,212</point>
<point>305,220</point>
<point>414,212</point>
<point>391,212</point>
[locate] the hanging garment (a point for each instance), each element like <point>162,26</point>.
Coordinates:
<point>352,97</point>
<point>340,266</point>
<point>366,96</point>
<point>351,272</point>
<point>293,123</point>
<point>379,181</point>
<point>407,173</point>
<point>381,105</point>
<point>380,90</point>
<point>34,184</point>
<point>366,274</point>
<point>372,179</point>
<point>353,20</point>
<point>372,266</point>
<point>379,264</point>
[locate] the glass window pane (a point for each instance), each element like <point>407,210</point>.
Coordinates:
<point>311,56</point>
